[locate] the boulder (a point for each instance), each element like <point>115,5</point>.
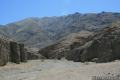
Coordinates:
<point>105,46</point>
<point>4,52</point>
<point>14,52</point>
<point>32,54</point>
<point>74,54</point>
<point>23,54</point>
<point>11,51</point>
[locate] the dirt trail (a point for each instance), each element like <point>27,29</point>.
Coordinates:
<point>57,70</point>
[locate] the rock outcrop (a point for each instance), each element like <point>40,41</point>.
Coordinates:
<point>103,46</point>
<point>17,52</point>
<point>23,54</point>
<point>4,52</point>
<point>32,54</point>
<point>14,52</point>
<point>63,47</point>
<point>11,51</point>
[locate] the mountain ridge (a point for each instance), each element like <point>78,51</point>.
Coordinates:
<point>40,32</point>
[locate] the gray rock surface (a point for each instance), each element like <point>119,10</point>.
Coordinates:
<point>103,46</point>
<point>14,52</point>
<point>63,47</point>
<point>4,52</point>
<point>23,54</point>
<point>32,54</point>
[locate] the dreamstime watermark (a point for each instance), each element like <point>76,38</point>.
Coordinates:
<point>106,77</point>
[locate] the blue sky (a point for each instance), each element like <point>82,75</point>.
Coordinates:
<point>14,10</point>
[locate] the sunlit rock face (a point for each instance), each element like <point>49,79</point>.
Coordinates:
<point>102,46</point>
<point>4,52</point>
<point>105,46</point>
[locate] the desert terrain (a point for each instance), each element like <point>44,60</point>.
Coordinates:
<point>57,70</point>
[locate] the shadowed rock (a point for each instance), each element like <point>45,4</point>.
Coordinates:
<point>64,47</point>
<point>32,54</point>
<point>23,54</point>
<point>14,52</point>
<point>4,52</point>
<point>105,46</point>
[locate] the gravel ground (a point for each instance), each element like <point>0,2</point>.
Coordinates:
<point>57,70</point>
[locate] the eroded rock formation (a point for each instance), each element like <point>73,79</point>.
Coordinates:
<point>4,52</point>
<point>14,52</point>
<point>11,51</point>
<point>65,45</point>
<point>103,46</point>
<point>23,54</point>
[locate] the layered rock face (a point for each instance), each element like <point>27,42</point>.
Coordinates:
<point>23,54</point>
<point>4,52</point>
<point>103,46</point>
<point>63,47</point>
<point>17,52</point>
<point>32,54</point>
<point>11,51</point>
<point>14,52</point>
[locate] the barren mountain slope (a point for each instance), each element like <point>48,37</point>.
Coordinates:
<point>40,32</point>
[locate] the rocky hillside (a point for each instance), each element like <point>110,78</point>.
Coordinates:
<point>102,46</point>
<point>4,52</point>
<point>41,32</point>
<point>60,49</point>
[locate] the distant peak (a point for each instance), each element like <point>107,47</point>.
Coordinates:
<point>77,13</point>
